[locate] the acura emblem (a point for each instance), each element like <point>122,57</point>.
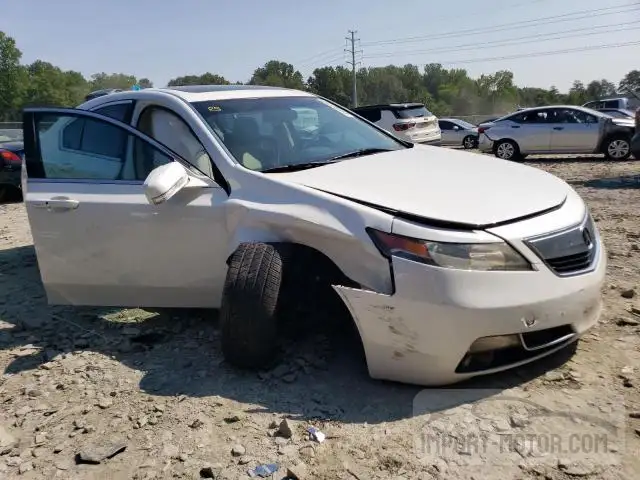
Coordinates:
<point>529,321</point>
<point>586,236</point>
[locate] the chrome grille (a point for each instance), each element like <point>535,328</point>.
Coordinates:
<point>568,252</point>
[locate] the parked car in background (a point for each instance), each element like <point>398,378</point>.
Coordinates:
<point>448,264</point>
<point>556,130</point>
<point>11,155</point>
<point>457,132</point>
<point>617,112</point>
<point>408,121</point>
<point>100,93</point>
<point>625,103</point>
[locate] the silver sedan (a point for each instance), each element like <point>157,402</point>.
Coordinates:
<point>457,132</point>
<point>556,130</point>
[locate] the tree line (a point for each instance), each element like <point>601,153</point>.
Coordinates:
<point>446,92</point>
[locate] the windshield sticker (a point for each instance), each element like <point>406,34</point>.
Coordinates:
<point>214,108</point>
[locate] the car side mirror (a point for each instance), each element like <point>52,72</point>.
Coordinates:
<point>456,128</point>
<point>166,180</point>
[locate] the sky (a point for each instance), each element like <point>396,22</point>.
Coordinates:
<point>161,39</point>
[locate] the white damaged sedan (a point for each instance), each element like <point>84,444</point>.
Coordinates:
<point>255,200</point>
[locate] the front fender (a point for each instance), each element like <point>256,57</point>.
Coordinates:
<point>329,224</point>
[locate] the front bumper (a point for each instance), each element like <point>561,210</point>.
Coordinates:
<point>421,334</point>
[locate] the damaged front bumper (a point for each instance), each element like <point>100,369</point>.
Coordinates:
<point>442,326</point>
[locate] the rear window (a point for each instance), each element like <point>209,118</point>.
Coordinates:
<point>412,112</point>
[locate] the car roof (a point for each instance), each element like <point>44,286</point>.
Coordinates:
<point>201,93</point>
<point>622,97</point>
<point>388,105</point>
<point>546,107</point>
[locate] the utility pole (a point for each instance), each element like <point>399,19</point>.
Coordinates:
<point>352,50</point>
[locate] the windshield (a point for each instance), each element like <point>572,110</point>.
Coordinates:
<point>412,112</point>
<point>269,133</point>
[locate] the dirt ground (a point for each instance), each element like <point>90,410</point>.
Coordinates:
<point>149,389</point>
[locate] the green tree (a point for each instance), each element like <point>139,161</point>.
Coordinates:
<point>204,79</point>
<point>631,82</point>
<point>145,83</point>
<point>599,89</point>
<point>100,81</point>
<point>577,93</point>
<point>275,73</point>
<point>333,83</point>
<point>12,78</point>
<point>48,85</point>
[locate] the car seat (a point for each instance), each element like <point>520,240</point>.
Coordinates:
<point>247,145</point>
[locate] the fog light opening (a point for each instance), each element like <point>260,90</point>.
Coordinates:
<point>498,342</point>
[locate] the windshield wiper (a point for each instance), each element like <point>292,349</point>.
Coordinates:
<point>360,153</point>
<point>298,166</point>
<point>304,166</point>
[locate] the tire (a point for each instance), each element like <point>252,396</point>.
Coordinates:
<point>250,298</point>
<point>469,142</point>
<point>10,194</point>
<point>507,150</point>
<point>617,148</point>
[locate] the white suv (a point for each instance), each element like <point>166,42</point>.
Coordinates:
<point>409,121</point>
<point>260,201</point>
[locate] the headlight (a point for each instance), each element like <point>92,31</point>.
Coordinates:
<point>498,256</point>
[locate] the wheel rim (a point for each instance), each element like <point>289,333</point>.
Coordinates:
<point>468,142</point>
<point>618,148</point>
<point>505,151</point>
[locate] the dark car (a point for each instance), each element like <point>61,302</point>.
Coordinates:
<point>11,155</point>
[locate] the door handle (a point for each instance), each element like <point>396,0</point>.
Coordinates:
<point>57,204</point>
<point>515,126</point>
<point>558,128</point>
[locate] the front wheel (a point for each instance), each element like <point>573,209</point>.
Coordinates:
<point>252,290</point>
<point>507,150</point>
<point>470,142</point>
<point>617,148</point>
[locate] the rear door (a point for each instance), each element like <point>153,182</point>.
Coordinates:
<point>97,239</point>
<point>573,131</point>
<point>530,129</point>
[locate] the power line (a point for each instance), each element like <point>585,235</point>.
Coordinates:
<point>316,56</point>
<point>598,12</point>
<point>537,54</point>
<point>331,52</point>
<point>330,56</point>
<point>541,37</point>
<point>352,50</point>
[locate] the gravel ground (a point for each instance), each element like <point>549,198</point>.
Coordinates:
<point>91,393</point>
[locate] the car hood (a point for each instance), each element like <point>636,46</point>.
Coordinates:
<point>439,184</point>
